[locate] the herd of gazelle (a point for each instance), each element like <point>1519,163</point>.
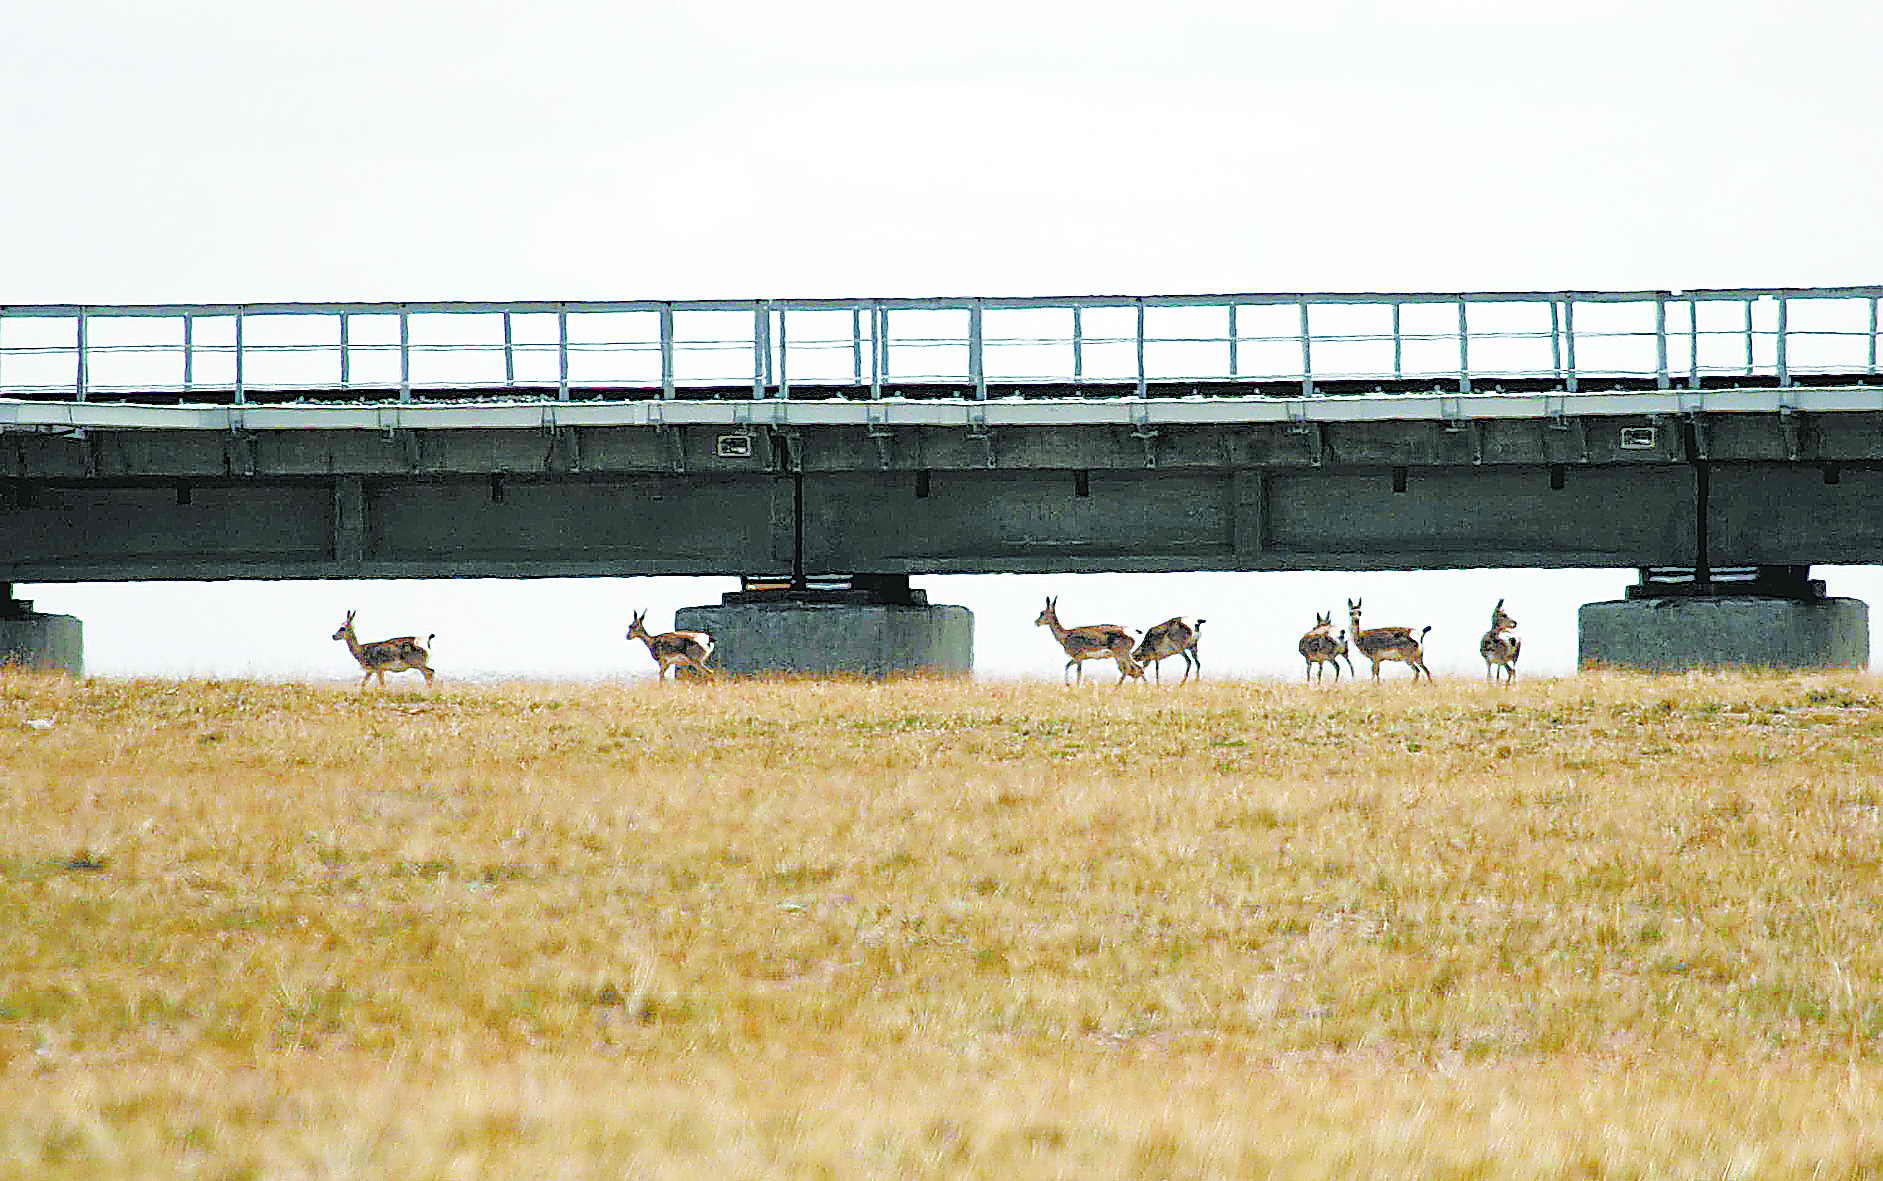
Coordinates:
<point>686,653</point>
<point>1320,647</point>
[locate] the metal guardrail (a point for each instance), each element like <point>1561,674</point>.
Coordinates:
<point>968,346</point>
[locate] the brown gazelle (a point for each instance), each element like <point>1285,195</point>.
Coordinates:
<point>1173,637</point>
<point>1380,644</point>
<point>1320,649</point>
<point>674,650</point>
<point>1498,648</point>
<point>1097,641</point>
<point>397,655</point>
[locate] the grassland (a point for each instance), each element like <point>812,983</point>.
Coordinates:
<point>1601,927</point>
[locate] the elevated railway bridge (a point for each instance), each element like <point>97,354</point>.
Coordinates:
<point>800,442</point>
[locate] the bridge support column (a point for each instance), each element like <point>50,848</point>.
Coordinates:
<point>33,640</point>
<point>865,626</point>
<point>1741,617</point>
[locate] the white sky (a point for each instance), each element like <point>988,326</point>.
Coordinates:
<point>226,152</point>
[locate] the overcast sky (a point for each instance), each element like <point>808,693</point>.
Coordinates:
<point>230,152</point>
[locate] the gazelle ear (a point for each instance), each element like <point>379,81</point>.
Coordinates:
<point>1500,605</point>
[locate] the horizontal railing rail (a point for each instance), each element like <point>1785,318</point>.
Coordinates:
<point>975,348</point>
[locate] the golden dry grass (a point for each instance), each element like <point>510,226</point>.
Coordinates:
<point>1601,927</point>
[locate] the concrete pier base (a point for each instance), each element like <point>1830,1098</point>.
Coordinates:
<point>802,633</point>
<point>32,640</point>
<point>1679,634</point>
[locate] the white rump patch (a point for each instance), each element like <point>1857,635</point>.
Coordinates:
<point>703,639</point>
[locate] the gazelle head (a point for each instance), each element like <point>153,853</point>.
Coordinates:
<point>1501,622</point>
<point>637,629</point>
<point>1322,623</point>
<point>1049,616</point>
<point>345,629</point>
<point>1353,613</point>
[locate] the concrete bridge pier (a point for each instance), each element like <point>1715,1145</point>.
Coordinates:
<point>34,640</point>
<point>864,626</point>
<point>1675,620</point>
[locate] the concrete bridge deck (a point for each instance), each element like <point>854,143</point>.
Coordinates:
<point>1245,432</point>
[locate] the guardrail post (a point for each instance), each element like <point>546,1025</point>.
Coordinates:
<point>1399,347</point>
<point>1873,300</point>
<point>1078,344</point>
<point>562,352</point>
<point>1464,351</point>
<point>1556,341</point>
<point>1784,366</point>
<point>346,361</point>
<point>876,350</point>
<point>509,353</point>
<point>761,349</point>
<point>784,355</point>
<point>3,350</point>
<point>882,315</point>
<point>977,361</point>
<point>1234,342</point>
<point>666,350</point>
<point>1569,345</point>
<point>241,377</point>
<point>1660,341</point>
<point>1141,379</point>
<point>189,352</point>
<point>1749,365</point>
<point>856,346</point>
<point>1307,353</point>
<point>81,370</point>
<point>1693,344</point>
<point>405,355</point>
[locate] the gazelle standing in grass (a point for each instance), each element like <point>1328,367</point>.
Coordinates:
<point>1499,648</point>
<point>675,650</point>
<point>1380,644</point>
<point>1173,637</point>
<point>397,655</point>
<point>1096,641</point>
<point>1320,649</point>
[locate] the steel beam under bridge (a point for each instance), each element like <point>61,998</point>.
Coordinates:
<point>107,492</point>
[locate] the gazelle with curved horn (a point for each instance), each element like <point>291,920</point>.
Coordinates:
<point>1095,641</point>
<point>399,654</point>
<point>1320,649</point>
<point>675,650</point>
<point>1381,644</point>
<point>1173,637</point>
<point>1499,647</point>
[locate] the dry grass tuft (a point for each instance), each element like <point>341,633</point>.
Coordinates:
<point>1602,927</point>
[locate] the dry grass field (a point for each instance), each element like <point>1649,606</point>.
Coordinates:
<point>1590,928</point>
